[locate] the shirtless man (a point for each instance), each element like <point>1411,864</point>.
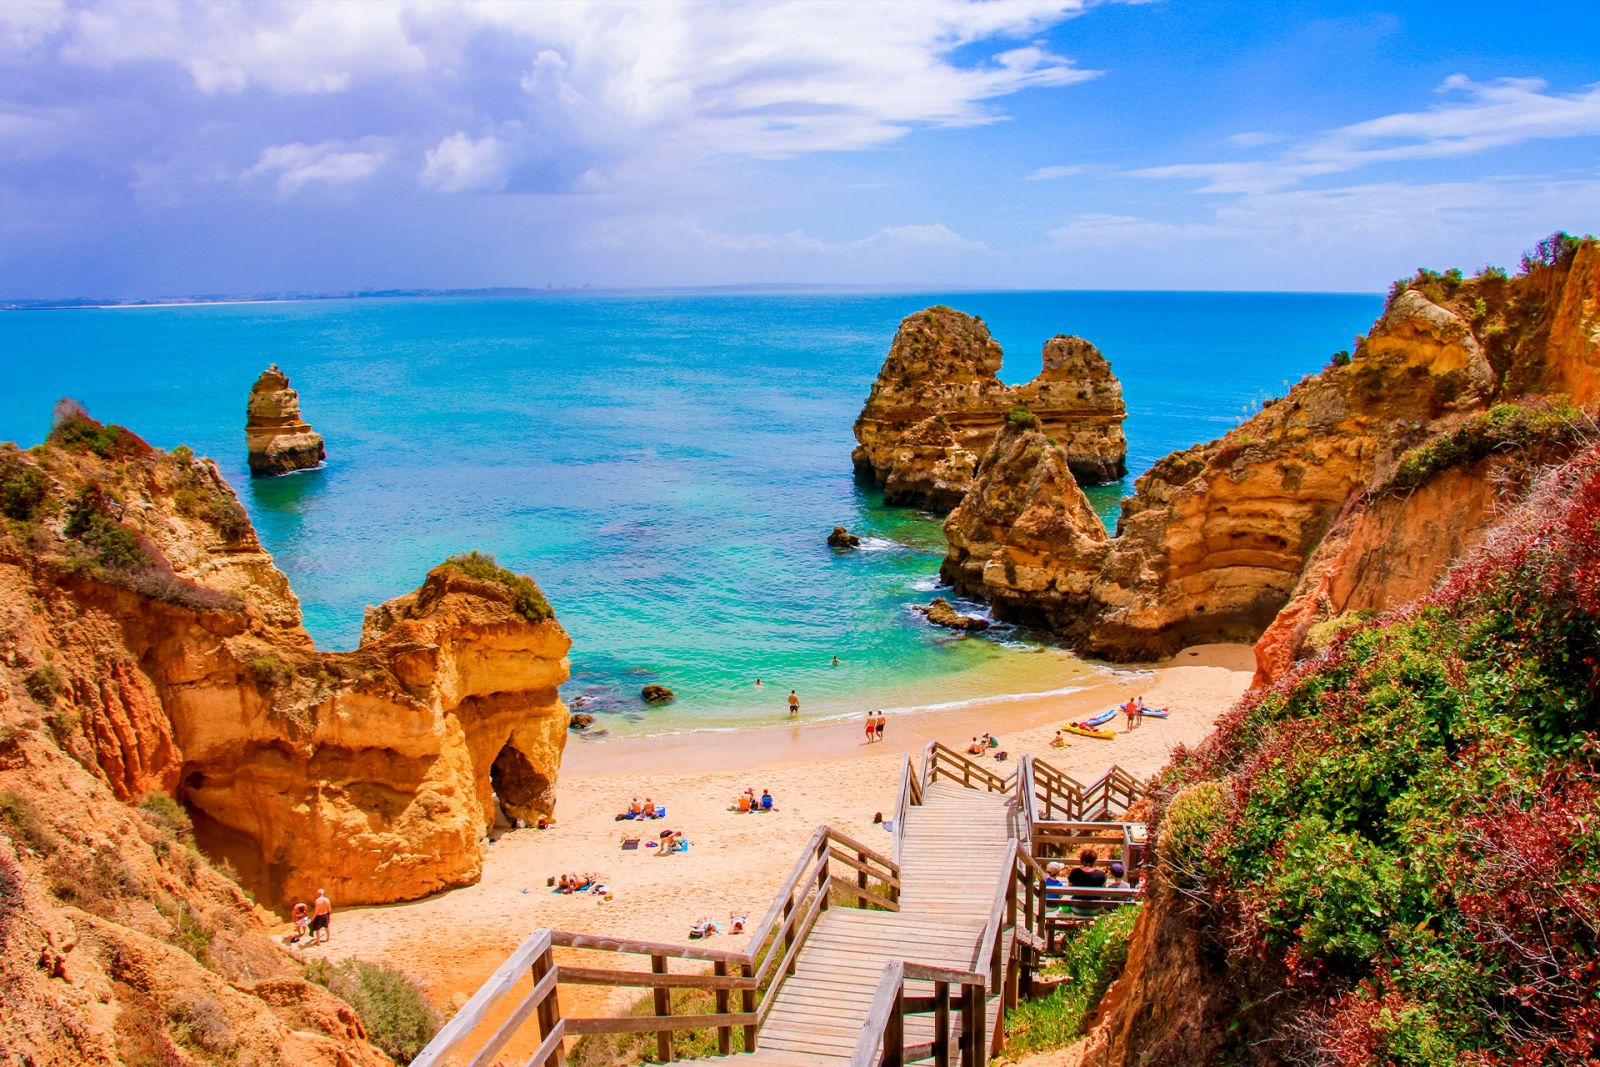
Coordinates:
<point>794,703</point>
<point>321,915</point>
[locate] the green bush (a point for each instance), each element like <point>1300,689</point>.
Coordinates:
<point>24,824</point>
<point>23,488</point>
<point>1503,428</point>
<point>527,599</point>
<point>1021,419</point>
<point>74,430</point>
<point>1558,248</point>
<point>43,684</point>
<point>200,1023</point>
<point>1089,963</point>
<point>396,1012</point>
<point>1187,826</point>
<point>166,813</point>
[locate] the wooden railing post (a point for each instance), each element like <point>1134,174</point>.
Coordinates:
<point>663,1006</point>
<point>747,1003</point>
<point>724,1033</point>
<point>941,1024</point>
<point>549,1010</point>
<point>861,875</point>
<point>894,1033</point>
<point>973,1053</point>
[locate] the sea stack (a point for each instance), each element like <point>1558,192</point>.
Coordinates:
<point>278,440</point>
<point>938,405</point>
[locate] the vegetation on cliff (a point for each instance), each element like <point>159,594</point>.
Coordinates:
<point>1393,854</point>
<point>526,597</point>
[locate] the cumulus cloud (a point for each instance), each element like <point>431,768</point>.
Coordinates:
<point>296,165</point>
<point>685,233</point>
<point>1481,116</point>
<point>463,164</point>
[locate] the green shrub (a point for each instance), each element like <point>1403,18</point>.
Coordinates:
<point>1089,963</point>
<point>74,430</point>
<point>25,826</point>
<point>1322,634</point>
<point>43,684</point>
<point>91,523</point>
<point>162,811</point>
<point>1340,358</point>
<point>1187,826</point>
<point>527,599</point>
<point>193,934</point>
<point>1503,428</point>
<point>23,488</point>
<point>1556,249</point>
<point>396,1012</point>
<point>270,669</point>
<point>1021,419</point>
<point>201,1024</point>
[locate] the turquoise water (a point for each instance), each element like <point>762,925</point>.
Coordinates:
<point>665,464</point>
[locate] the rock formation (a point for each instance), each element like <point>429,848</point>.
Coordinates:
<point>1217,539</point>
<point>842,538</point>
<point>178,665</point>
<point>656,694</point>
<point>940,612</point>
<point>937,406</point>
<point>277,439</point>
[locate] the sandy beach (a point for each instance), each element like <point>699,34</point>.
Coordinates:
<point>821,773</point>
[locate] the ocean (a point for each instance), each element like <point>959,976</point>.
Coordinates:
<point>665,464</point>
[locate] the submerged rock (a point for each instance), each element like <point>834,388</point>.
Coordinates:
<point>940,613</point>
<point>580,721</point>
<point>842,538</point>
<point>656,694</point>
<point>278,441</point>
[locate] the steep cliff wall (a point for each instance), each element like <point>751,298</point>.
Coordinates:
<point>937,405</point>
<point>135,586</point>
<point>277,440</point>
<point>1217,539</point>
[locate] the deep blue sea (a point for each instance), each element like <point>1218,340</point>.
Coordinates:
<point>666,465</point>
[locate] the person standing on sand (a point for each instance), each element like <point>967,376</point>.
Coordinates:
<point>794,703</point>
<point>871,723</point>
<point>880,723</point>
<point>1130,713</point>
<point>321,915</point>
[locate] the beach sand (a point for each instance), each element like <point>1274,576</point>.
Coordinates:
<point>818,773</point>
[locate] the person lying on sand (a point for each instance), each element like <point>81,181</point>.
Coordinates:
<point>736,923</point>
<point>703,928</point>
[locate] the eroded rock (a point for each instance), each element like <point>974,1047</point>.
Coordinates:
<point>656,694</point>
<point>940,612</point>
<point>277,439</point>
<point>842,538</point>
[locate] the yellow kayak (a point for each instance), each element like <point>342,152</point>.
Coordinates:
<point>1105,735</point>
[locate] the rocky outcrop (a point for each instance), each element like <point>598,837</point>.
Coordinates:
<point>842,538</point>
<point>937,405</point>
<point>941,612</point>
<point>178,665</point>
<point>1294,504</point>
<point>656,694</point>
<point>277,440</point>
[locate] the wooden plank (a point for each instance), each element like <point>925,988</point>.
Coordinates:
<point>549,1047</point>
<point>663,1008</point>
<point>644,1024</point>
<point>605,977</point>
<point>570,939</point>
<point>477,1008</point>
<point>867,869</point>
<point>513,1022</point>
<point>884,1003</point>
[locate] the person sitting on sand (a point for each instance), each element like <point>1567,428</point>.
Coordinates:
<point>1059,741</point>
<point>766,800</point>
<point>649,808</point>
<point>976,748</point>
<point>994,742</point>
<point>742,805</point>
<point>635,808</point>
<point>735,923</point>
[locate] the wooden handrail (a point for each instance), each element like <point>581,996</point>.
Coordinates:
<point>997,909</point>
<point>884,1010</point>
<point>476,1009</point>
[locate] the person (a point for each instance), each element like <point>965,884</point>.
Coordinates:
<point>321,916</point>
<point>794,703</point>
<point>743,802</point>
<point>736,923</point>
<point>671,841</point>
<point>1053,880</point>
<point>758,683</point>
<point>649,808</point>
<point>994,742</point>
<point>302,919</point>
<point>1131,713</point>
<point>976,748</point>
<point>1138,712</point>
<point>1118,879</point>
<point>1059,741</point>
<point>835,662</point>
<point>871,724</point>
<point>881,721</point>
<point>635,809</point>
<point>766,800</point>
<point>1086,876</point>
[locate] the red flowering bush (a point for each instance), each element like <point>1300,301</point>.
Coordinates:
<point>1404,862</point>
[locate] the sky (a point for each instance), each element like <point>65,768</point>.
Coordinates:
<point>175,148</point>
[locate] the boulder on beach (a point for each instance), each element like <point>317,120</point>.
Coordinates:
<point>580,721</point>
<point>842,538</point>
<point>656,694</point>
<point>940,613</point>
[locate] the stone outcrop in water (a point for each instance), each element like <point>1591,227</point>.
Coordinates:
<point>842,538</point>
<point>937,405</point>
<point>1338,496</point>
<point>179,666</point>
<point>277,440</point>
<point>941,612</point>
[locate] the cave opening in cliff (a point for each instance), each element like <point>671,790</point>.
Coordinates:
<point>524,791</point>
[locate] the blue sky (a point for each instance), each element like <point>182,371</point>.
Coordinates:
<point>167,147</point>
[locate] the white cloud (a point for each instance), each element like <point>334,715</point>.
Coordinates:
<point>330,162</point>
<point>462,164</point>
<point>1492,115</point>
<point>24,24</point>
<point>1045,174</point>
<point>681,233</point>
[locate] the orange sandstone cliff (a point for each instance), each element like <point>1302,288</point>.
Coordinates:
<point>1355,491</point>
<point>142,623</point>
<point>277,440</point>
<point>937,405</point>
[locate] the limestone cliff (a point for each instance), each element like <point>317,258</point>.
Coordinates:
<point>277,440</point>
<point>937,405</point>
<point>1217,539</point>
<point>138,600</point>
